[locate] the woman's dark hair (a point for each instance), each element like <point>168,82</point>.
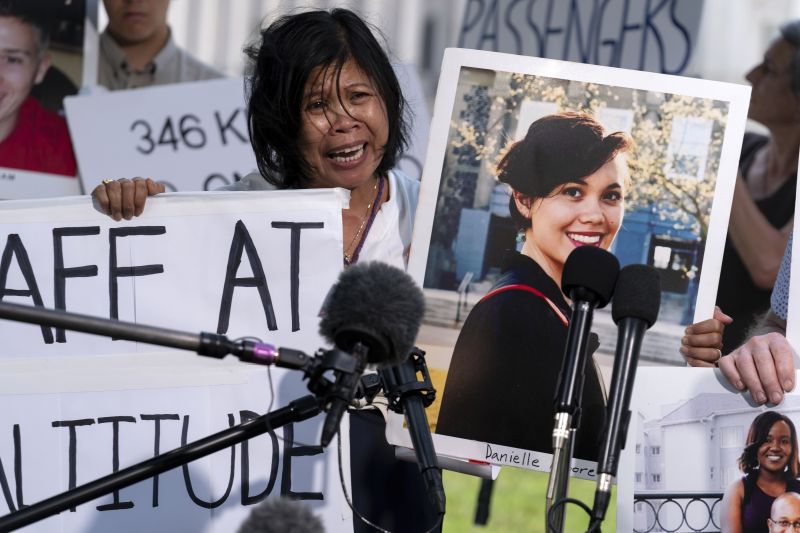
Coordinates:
<point>557,149</point>
<point>281,63</point>
<point>759,430</point>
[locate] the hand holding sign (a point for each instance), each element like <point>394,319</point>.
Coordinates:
<point>125,198</point>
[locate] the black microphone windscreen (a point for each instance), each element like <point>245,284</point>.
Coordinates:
<point>638,294</point>
<point>591,268</point>
<point>378,305</point>
<point>281,515</point>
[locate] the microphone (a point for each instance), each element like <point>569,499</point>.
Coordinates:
<point>281,515</point>
<point>634,309</point>
<point>588,278</point>
<point>401,386</point>
<point>374,312</point>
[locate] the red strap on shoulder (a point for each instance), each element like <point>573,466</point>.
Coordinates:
<point>528,288</point>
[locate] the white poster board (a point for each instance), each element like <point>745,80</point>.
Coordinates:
<point>188,136</point>
<point>476,114</point>
<point>18,184</point>
<point>64,401</point>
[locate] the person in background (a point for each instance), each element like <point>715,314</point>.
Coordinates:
<point>137,50</point>
<point>763,201</point>
<point>325,109</point>
<point>770,467</point>
<point>784,515</point>
<point>31,137</point>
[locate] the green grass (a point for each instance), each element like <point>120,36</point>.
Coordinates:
<point>518,501</point>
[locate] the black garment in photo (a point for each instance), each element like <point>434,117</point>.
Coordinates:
<point>504,371</point>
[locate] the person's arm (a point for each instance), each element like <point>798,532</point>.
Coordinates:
<point>125,198</point>
<point>731,508</point>
<point>702,344</point>
<point>758,243</point>
<point>764,365</point>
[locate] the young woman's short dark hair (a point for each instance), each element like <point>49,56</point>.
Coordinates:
<point>557,149</point>
<point>759,430</point>
<point>289,50</point>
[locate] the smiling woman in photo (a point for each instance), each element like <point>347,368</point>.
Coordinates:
<point>568,179</point>
<point>769,463</point>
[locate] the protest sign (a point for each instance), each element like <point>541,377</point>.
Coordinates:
<point>188,136</point>
<point>78,406</point>
<point>653,36</point>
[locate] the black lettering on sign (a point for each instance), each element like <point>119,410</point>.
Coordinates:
<point>217,179</point>
<point>15,248</point>
<point>73,447</point>
<point>115,272</point>
<point>187,478</point>
<point>549,29</point>
<point>472,15</point>
<point>296,228</point>
<point>147,137</point>
<point>535,29</point>
<point>242,241</point>
<point>604,32</point>
<point>157,445</point>
<point>167,135</point>
<point>289,451</point>
<point>17,474</point>
<point>584,41</point>
<point>192,134</point>
<point>61,273</point>
<point>245,464</point>
<point>115,420</point>
<point>687,37</point>
<point>228,126</point>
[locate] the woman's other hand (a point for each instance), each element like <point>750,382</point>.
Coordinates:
<point>702,344</point>
<point>125,198</point>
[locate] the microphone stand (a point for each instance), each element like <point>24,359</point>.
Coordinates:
<point>301,409</point>
<point>336,362</point>
<point>408,396</point>
<point>568,407</point>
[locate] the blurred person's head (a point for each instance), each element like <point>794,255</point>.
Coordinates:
<point>771,446</point>
<point>23,58</point>
<point>784,515</point>
<point>568,180</point>
<point>775,98</point>
<point>281,515</point>
<point>324,105</point>
<point>133,22</point>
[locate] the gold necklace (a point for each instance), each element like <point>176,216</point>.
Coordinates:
<point>349,256</point>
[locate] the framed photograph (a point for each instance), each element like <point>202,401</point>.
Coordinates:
<point>692,461</point>
<point>529,158</point>
<point>44,41</point>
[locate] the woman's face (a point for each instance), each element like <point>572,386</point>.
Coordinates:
<point>774,454</point>
<point>344,131</point>
<point>586,212</point>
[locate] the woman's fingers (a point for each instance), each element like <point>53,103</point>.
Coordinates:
<point>125,198</point>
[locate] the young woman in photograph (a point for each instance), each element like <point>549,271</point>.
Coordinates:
<point>568,179</point>
<point>770,466</point>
